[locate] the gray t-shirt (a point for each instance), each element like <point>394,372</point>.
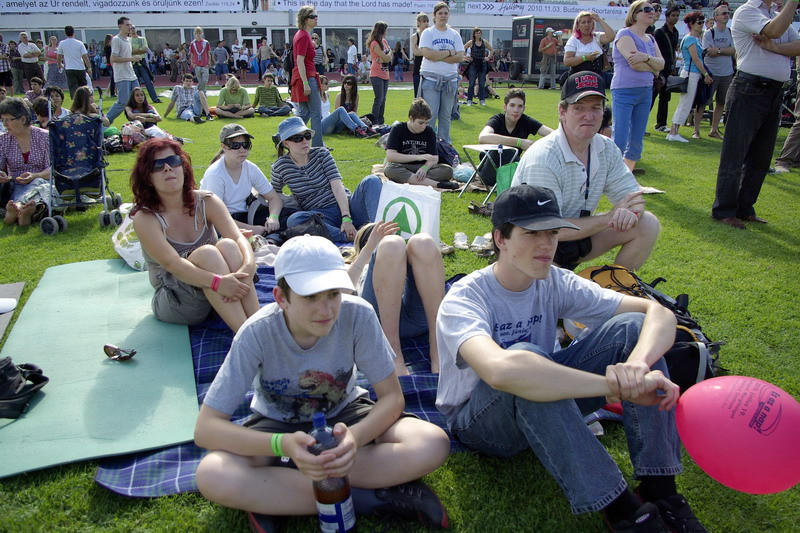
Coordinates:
<point>718,65</point>
<point>122,48</point>
<point>291,383</point>
<point>479,305</point>
<point>220,55</point>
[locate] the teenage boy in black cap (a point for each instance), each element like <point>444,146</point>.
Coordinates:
<point>503,389</point>
<point>579,165</point>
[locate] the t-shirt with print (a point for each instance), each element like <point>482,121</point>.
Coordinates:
<point>404,141</point>
<point>479,305</point>
<point>234,195</point>
<point>449,39</point>
<point>525,127</point>
<point>717,38</point>
<point>122,48</point>
<point>293,383</point>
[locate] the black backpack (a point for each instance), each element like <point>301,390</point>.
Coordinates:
<point>15,391</point>
<point>315,225</point>
<point>693,357</point>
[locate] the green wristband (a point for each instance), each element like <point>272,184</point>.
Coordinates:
<point>277,450</point>
<point>274,217</point>
<point>519,143</point>
<point>346,219</point>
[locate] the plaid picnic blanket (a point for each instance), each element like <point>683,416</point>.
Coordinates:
<point>172,470</point>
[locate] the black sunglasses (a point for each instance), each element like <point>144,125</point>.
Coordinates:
<point>300,137</point>
<point>348,82</point>
<point>235,145</point>
<point>313,16</point>
<point>648,9</point>
<point>173,161</point>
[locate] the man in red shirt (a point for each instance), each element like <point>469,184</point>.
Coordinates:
<point>548,47</point>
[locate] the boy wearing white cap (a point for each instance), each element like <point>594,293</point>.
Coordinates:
<point>303,350</point>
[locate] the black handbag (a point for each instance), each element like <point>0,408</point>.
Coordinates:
<point>677,84</point>
<point>18,384</point>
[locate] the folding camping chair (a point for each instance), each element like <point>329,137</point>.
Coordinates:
<point>485,158</point>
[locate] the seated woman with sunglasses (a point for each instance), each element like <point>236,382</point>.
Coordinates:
<point>231,177</point>
<point>404,283</point>
<point>191,270</point>
<point>315,182</point>
<point>341,119</point>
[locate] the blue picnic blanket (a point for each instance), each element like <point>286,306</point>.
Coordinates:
<point>171,470</point>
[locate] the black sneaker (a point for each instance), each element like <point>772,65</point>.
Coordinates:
<point>448,185</point>
<point>412,501</point>
<point>197,120</point>
<point>261,523</point>
<point>676,513</point>
<point>645,520</point>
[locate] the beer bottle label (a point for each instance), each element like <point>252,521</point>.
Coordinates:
<point>336,517</point>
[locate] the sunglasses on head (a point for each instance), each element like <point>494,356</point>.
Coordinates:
<point>648,9</point>
<point>173,161</point>
<point>239,144</point>
<point>300,137</point>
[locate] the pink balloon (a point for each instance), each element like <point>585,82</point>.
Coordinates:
<point>743,432</point>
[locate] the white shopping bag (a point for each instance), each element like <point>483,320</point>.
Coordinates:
<point>415,208</point>
<point>127,245</point>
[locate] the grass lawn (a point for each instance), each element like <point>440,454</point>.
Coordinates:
<point>743,290</point>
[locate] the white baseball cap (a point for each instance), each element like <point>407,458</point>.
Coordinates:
<point>311,265</point>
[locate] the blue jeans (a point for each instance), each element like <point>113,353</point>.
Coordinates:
<point>340,120</point>
<point>145,76</point>
<point>275,111</point>
<point>363,205</point>
<point>413,321</point>
<point>313,108</point>
<point>478,72</point>
<point>262,67</point>
<point>124,89</point>
<point>379,87</point>
<point>441,97</point>
<point>351,68</point>
<point>630,108</point>
<point>750,133</point>
<point>501,424</point>
<point>196,109</point>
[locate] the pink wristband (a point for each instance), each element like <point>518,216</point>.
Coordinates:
<point>215,283</point>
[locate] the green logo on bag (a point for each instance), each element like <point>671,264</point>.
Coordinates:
<point>398,211</point>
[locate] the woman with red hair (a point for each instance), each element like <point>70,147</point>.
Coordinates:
<point>191,270</point>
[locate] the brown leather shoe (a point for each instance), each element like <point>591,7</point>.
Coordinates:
<point>731,221</point>
<point>753,218</point>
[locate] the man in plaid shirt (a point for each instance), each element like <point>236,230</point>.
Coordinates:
<point>191,102</point>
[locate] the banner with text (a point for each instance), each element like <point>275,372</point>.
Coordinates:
<point>123,6</point>
<point>404,6</point>
<point>542,10</point>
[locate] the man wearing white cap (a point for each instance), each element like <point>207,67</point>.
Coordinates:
<point>580,166</point>
<point>303,349</point>
<point>548,47</point>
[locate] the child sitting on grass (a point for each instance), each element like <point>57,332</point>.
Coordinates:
<point>317,335</point>
<point>268,100</point>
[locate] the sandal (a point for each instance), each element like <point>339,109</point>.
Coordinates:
<point>696,135</point>
<point>480,209</point>
<point>714,134</point>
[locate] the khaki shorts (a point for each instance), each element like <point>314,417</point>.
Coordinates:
<point>177,302</point>
<point>355,411</point>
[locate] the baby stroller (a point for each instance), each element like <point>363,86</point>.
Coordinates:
<point>788,117</point>
<point>77,172</point>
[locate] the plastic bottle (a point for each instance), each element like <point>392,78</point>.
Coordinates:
<point>334,503</point>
